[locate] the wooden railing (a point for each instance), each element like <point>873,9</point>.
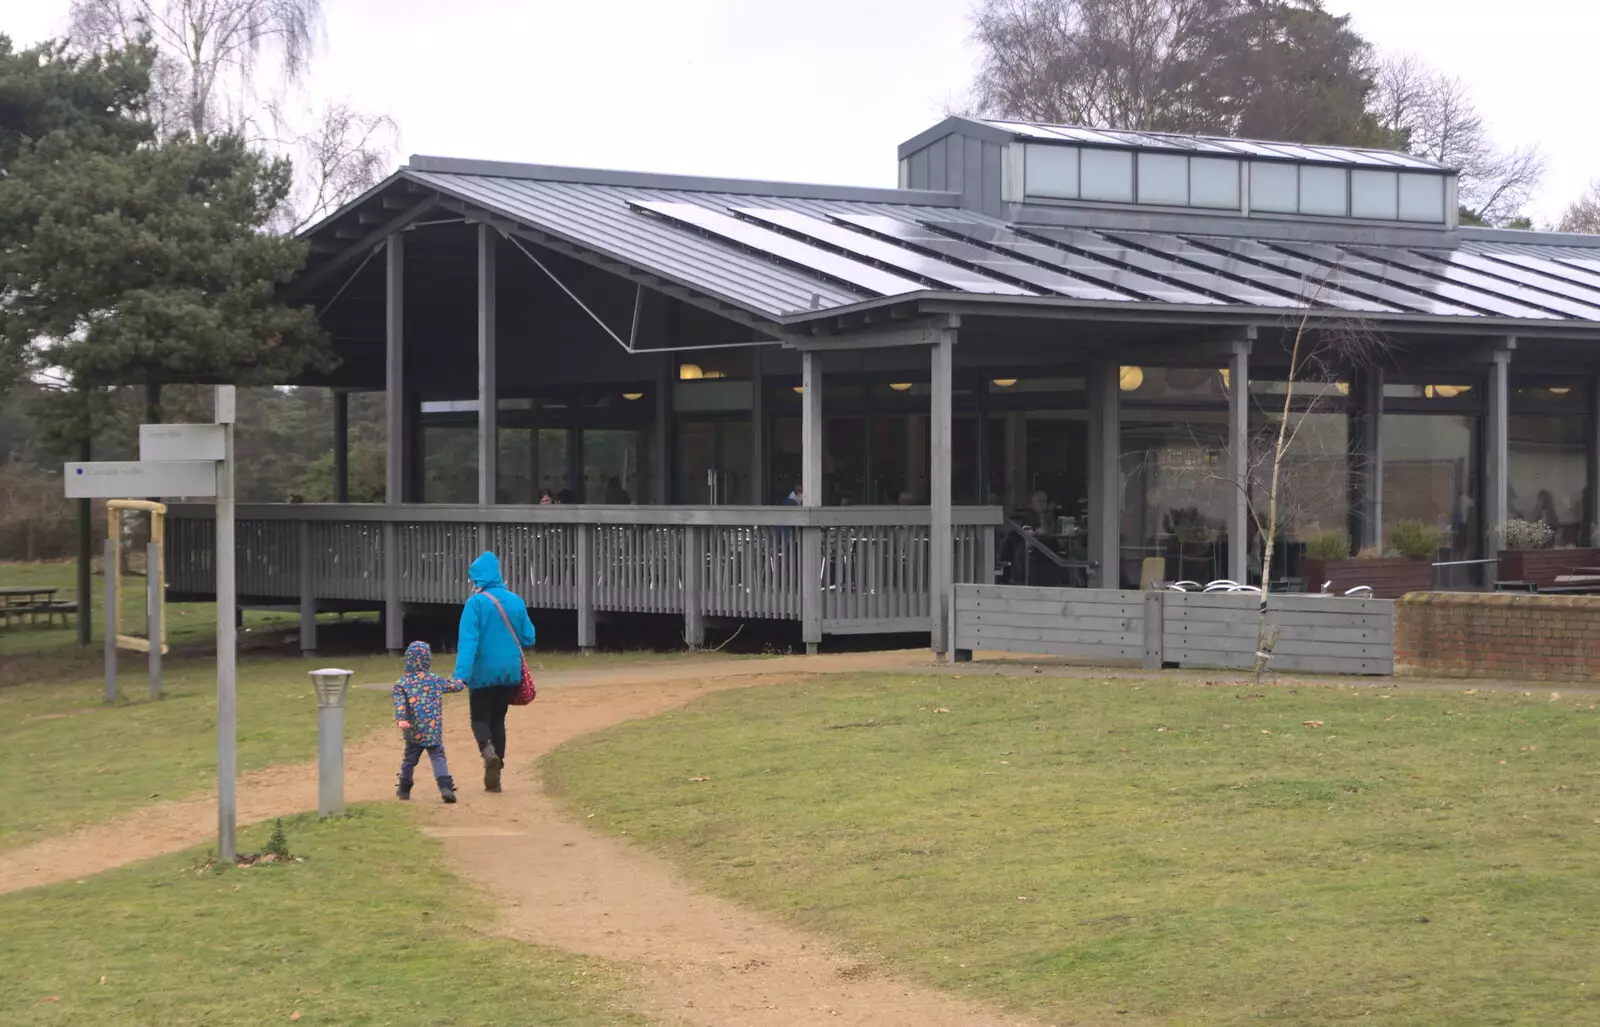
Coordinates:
<point>836,570</point>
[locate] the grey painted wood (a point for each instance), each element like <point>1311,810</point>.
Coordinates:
<point>1239,461</point>
<point>1496,450</point>
<point>585,587</point>
<point>1153,620</point>
<point>308,590</point>
<point>759,486</point>
<point>1105,491</point>
<point>941,576</point>
<point>692,570</point>
<point>876,626</point>
<point>811,570</point>
<point>661,436</point>
<point>394,400</point>
<point>1372,459</point>
<point>733,516</point>
<point>811,428</point>
<point>1316,634</point>
<point>393,612</point>
<point>488,391</point>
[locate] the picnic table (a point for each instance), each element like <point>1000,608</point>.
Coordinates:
<point>26,602</point>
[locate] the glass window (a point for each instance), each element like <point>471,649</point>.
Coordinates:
<point>1375,194</point>
<point>708,396</point>
<point>1176,496</point>
<point>714,463</point>
<point>450,463</point>
<point>1106,175</point>
<point>552,467</point>
<point>1214,183</point>
<point>1187,384</point>
<point>1422,197</point>
<point>1274,188</point>
<point>1430,474</point>
<point>1324,191</point>
<point>1549,473</point>
<point>515,473</point>
<point>1051,171</point>
<point>1164,179</point>
<point>1314,478</point>
<point>611,471</point>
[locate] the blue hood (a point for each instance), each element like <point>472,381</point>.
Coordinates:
<point>419,658</point>
<point>485,572</point>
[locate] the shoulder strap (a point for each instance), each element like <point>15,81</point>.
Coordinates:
<point>503,618</point>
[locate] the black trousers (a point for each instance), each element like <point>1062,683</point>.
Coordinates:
<point>489,707</point>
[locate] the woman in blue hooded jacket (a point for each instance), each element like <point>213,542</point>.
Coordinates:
<point>489,659</point>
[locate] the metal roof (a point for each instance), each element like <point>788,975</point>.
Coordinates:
<point>791,258</point>
<point>1220,146</point>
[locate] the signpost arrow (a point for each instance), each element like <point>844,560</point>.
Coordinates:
<point>180,442</point>
<point>118,479</point>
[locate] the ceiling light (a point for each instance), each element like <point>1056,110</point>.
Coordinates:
<point>690,372</point>
<point>900,386</point>
<point>1005,383</point>
<point>632,395</point>
<point>1130,378</point>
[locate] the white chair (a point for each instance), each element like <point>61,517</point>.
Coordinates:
<point>1221,585</point>
<point>1186,586</point>
<point>1360,591</point>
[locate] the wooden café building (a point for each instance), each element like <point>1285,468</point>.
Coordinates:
<point>1042,358</point>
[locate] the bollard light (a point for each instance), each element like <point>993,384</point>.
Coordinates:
<point>332,685</point>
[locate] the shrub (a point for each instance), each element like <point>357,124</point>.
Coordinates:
<point>1414,539</point>
<point>1520,534</point>
<point>1328,546</point>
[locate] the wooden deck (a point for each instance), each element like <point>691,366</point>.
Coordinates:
<point>836,570</point>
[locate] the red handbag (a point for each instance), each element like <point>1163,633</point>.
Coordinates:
<point>526,692</point>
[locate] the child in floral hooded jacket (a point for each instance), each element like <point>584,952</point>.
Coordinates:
<point>419,714</point>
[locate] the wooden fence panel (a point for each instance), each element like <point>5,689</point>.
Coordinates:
<point>1322,635</point>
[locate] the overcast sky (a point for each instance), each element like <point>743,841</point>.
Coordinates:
<point>821,90</point>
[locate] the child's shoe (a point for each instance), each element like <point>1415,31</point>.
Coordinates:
<point>447,788</point>
<point>402,790</point>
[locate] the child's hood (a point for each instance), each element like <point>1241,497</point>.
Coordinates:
<point>419,658</point>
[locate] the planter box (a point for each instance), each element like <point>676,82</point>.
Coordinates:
<point>1388,577</point>
<point>1541,567</point>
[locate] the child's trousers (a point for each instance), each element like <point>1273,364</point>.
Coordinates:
<point>413,756</point>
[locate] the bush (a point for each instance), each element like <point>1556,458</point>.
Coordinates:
<point>1520,534</point>
<point>1414,539</point>
<point>1327,546</point>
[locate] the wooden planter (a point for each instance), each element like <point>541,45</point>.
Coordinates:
<point>1388,577</point>
<point>1541,567</point>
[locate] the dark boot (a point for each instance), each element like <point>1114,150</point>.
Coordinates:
<point>402,790</point>
<point>447,788</point>
<point>491,769</point>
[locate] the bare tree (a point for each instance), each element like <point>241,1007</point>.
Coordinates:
<point>1583,214</point>
<point>237,66</point>
<point>1437,116</point>
<point>1120,63</point>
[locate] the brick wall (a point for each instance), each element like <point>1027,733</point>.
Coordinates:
<point>1498,635</point>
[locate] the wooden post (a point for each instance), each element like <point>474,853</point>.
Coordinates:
<point>811,486</point>
<point>488,391</point>
<point>154,582</point>
<point>308,599</point>
<point>758,433</point>
<point>1371,463</point>
<point>110,563</point>
<point>661,444</point>
<point>1154,626</point>
<point>585,536</point>
<point>694,622</point>
<point>1239,464</point>
<point>394,398</point>
<point>393,611</point>
<point>1105,492</point>
<point>1496,449</point>
<point>941,535</point>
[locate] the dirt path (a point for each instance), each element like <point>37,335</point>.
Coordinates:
<point>705,961</point>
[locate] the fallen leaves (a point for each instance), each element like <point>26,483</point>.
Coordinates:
<point>1311,723</point>
<point>295,1015</point>
<point>940,709</point>
<point>699,779</point>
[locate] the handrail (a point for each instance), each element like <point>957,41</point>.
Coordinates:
<point>1463,563</point>
<point>664,516</point>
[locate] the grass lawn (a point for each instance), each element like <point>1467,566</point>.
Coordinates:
<point>1146,851</point>
<point>370,929</point>
<point>70,759</point>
